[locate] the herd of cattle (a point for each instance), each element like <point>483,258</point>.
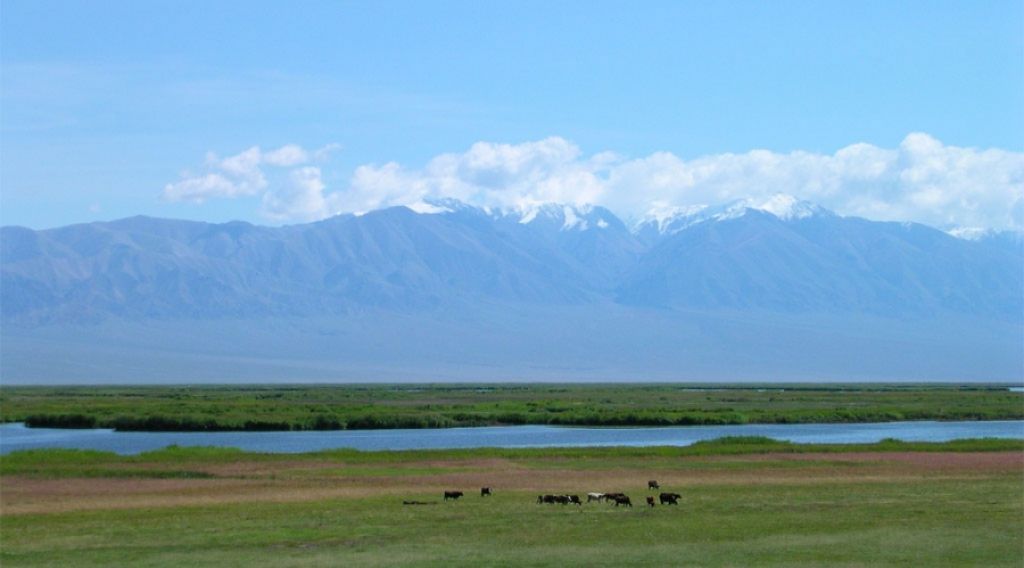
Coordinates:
<point>618,498</point>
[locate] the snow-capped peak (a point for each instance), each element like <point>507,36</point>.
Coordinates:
<point>434,205</point>
<point>1013,235</point>
<point>562,216</point>
<point>426,207</point>
<point>670,220</point>
<point>783,206</point>
<point>567,216</point>
<point>663,217</point>
<point>970,233</point>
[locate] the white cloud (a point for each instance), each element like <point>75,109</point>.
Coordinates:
<point>288,155</point>
<point>200,188</point>
<point>235,176</point>
<point>300,199</point>
<point>324,152</point>
<point>494,175</point>
<point>922,180</point>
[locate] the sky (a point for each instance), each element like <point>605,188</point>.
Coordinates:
<point>289,112</point>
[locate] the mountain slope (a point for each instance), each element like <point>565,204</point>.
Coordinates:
<point>743,291</point>
<point>789,257</point>
<point>157,268</point>
<point>825,263</point>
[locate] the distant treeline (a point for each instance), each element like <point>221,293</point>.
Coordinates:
<point>364,407</point>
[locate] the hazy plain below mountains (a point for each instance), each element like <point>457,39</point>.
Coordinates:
<point>776,290</point>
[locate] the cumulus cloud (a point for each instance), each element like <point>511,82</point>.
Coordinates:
<point>921,180</point>
<point>488,174</point>
<point>288,155</point>
<point>235,176</point>
<point>301,198</point>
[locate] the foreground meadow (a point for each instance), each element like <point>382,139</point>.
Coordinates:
<point>745,502</point>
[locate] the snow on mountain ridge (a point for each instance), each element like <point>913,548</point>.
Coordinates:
<point>662,219</point>
<point>783,206</point>
<point>671,220</point>
<point>972,233</point>
<point>567,216</point>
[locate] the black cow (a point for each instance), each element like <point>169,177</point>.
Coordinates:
<point>652,484</point>
<point>611,497</point>
<point>623,500</point>
<point>669,498</point>
<point>548,498</point>
<point>485,491</point>
<point>650,501</point>
<point>574,499</point>
<point>452,495</point>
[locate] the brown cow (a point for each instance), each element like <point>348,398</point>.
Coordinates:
<point>669,498</point>
<point>452,495</point>
<point>650,501</point>
<point>652,484</point>
<point>623,500</point>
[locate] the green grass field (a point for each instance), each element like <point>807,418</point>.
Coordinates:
<point>746,502</point>
<point>426,406</point>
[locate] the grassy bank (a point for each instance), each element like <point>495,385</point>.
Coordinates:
<point>440,406</point>
<point>749,502</point>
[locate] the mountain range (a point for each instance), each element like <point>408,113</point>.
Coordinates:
<point>445,290</point>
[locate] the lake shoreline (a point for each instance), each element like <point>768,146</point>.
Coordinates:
<point>15,437</point>
<point>506,425</point>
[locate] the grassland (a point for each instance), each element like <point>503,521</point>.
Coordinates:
<point>746,502</point>
<point>427,406</point>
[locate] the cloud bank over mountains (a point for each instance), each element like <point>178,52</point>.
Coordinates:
<point>923,180</point>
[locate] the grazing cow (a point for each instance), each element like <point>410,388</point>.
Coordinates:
<point>669,498</point>
<point>611,497</point>
<point>574,499</point>
<point>650,501</point>
<point>595,497</point>
<point>623,500</point>
<point>485,491</point>
<point>452,495</point>
<point>652,484</point>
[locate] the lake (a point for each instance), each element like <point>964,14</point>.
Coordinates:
<point>17,437</point>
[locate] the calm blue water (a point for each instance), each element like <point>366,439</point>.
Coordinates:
<point>18,437</point>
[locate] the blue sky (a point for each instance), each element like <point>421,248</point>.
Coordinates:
<point>105,105</point>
